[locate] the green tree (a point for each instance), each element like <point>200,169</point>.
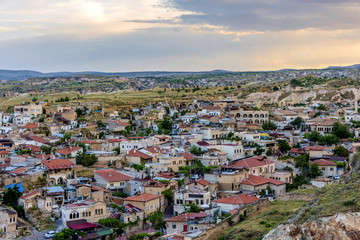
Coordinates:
<point>341,130</point>
<point>258,151</point>
<point>322,107</point>
<point>283,145</point>
<point>157,220</point>
<point>314,136</point>
<point>66,234</point>
<point>165,126</point>
<point>314,171</point>
<point>341,151</point>
<point>297,122</point>
<point>196,150</point>
<point>11,196</point>
<point>329,139</point>
<point>193,208</point>
<point>269,125</point>
<point>302,162</point>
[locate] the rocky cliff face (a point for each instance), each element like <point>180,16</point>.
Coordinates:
<point>344,226</point>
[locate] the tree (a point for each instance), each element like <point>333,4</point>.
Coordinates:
<point>269,125</point>
<point>314,171</point>
<point>302,162</point>
<point>157,220</point>
<point>321,107</point>
<point>297,122</point>
<point>258,151</point>
<point>86,159</point>
<point>329,139</point>
<point>45,149</point>
<point>165,126</point>
<point>269,152</point>
<point>34,99</point>
<point>314,136</point>
<point>283,145</point>
<point>11,196</point>
<point>341,151</point>
<point>193,208</point>
<point>196,150</point>
<point>341,130</point>
<point>66,234</point>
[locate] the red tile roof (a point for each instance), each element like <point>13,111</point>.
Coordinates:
<point>94,188</point>
<point>203,182</point>
<point>32,125</point>
<point>18,170</point>
<point>137,153</point>
<point>38,139</point>
<point>144,197</point>
<point>111,175</point>
<point>256,181</point>
<point>83,226</point>
<point>155,150</point>
<point>249,162</point>
<point>121,123</point>
<point>30,194</point>
<point>242,199</point>
<point>323,162</point>
<point>188,156</point>
<point>316,148</point>
<point>66,151</point>
<point>155,184</point>
<point>297,150</point>
<point>4,153</point>
<point>185,217</point>
<point>58,164</point>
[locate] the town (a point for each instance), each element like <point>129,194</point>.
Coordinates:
<point>72,170</point>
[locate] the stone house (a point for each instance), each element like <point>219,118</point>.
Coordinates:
<point>150,203</point>
<point>58,170</point>
<point>111,179</point>
<point>255,183</point>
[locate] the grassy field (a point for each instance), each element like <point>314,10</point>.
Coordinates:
<point>126,98</point>
<point>257,225</point>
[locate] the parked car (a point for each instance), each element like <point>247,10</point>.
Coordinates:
<point>50,234</point>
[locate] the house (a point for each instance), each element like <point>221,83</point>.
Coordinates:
<point>138,156</point>
<point>28,200</point>
<point>210,110</point>
<point>213,157</point>
<point>187,196</point>
<point>111,179</point>
<point>150,203</point>
<point>256,165</point>
<point>324,127</point>
<point>69,152</point>
<point>8,221</point>
<point>294,152</point>
<point>87,191</point>
<point>58,170</point>
<point>132,214</point>
<point>231,203</point>
<point>117,125</point>
<point>55,195</point>
<point>187,222</point>
<point>250,116</point>
<point>318,151</point>
<point>88,210</point>
<point>256,184</point>
<point>327,167</point>
<point>234,151</point>
<point>321,181</point>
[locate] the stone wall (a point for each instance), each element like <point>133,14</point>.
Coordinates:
<point>296,197</point>
<point>214,232</point>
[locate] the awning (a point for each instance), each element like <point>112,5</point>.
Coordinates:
<point>104,232</point>
<point>82,226</point>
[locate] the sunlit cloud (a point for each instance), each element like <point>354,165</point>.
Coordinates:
<point>135,35</point>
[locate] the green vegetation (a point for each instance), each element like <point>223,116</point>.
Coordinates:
<point>269,125</point>
<point>257,225</point>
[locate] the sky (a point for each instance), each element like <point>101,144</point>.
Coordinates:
<point>178,35</point>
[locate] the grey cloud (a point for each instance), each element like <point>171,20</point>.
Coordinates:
<point>276,15</point>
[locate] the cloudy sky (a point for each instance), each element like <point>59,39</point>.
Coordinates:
<point>184,35</point>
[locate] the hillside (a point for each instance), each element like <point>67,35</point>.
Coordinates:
<point>334,214</point>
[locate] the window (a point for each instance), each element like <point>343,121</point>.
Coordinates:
<point>174,225</point>
<point>331,169</point>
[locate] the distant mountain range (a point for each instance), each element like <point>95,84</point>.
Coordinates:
<point>25,74</point>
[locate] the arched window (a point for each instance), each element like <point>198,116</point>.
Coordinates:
<point>238,115</point>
